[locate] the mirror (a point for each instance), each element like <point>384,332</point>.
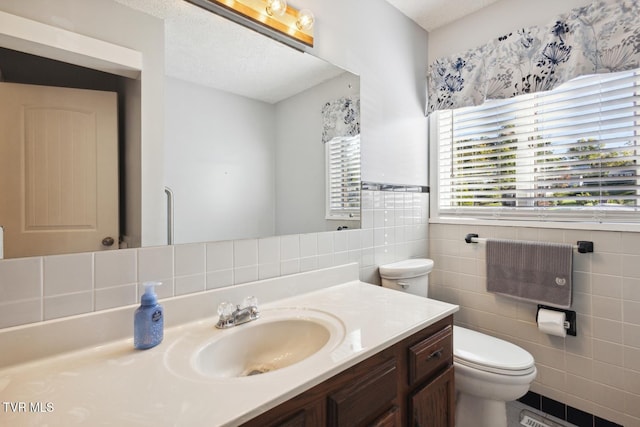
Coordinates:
<point>243,129</point>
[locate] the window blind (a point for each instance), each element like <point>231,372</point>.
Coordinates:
<point>343,177</point>
<point>567,154</point>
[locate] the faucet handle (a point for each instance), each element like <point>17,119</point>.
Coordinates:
<point>225,313</point>
<point>225,309</point>
<point>249,301</point>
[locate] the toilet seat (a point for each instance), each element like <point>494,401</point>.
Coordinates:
<point>490,354</point>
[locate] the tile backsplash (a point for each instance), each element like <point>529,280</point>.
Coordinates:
<point>394,227</point>
<point>598,371</point>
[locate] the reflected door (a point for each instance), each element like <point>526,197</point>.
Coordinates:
<point>58,170</point>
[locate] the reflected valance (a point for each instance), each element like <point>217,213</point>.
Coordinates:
<point>340,118</point>
<point>599,38</point>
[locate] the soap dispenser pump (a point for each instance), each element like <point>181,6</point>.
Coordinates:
<point>148,324</point>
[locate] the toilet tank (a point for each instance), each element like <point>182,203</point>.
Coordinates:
<point>410,275</point>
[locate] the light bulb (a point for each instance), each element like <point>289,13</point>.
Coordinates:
<point>305,20</point>
<point>276,7</point>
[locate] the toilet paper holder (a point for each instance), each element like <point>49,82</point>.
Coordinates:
<point>570,318</point>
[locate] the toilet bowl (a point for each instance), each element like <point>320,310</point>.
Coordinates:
<point>488,371</point>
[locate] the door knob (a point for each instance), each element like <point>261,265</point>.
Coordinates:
<point>108,241</point>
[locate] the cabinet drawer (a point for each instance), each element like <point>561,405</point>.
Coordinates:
<point>430,355</point>
<point>368,397</point>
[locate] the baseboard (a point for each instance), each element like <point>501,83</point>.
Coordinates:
<point>564,412</point>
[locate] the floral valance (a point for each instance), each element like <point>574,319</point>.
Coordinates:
<point>340,118</point>
<point>600,38</point>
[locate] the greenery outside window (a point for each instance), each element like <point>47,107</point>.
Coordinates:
<point>343,177</point>
<point>569,154</point>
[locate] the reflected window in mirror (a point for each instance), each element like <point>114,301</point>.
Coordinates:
<point>341,136</point>
<point>343,177</point>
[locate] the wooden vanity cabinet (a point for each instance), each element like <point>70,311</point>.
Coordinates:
<point>410,383</point>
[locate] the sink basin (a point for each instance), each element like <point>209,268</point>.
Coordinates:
<point>258,348</point>
<point>281,338</point>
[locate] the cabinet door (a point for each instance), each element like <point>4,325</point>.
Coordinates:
<point>364,399</point>
<point>434,404</point>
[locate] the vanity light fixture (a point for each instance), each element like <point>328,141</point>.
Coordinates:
<point>273,18</point>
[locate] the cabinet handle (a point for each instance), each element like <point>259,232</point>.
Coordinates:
<point>436,354</point>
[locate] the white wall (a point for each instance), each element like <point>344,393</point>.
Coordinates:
<point>219,163</point>
<point>234,181</point>
<point>300,157</point>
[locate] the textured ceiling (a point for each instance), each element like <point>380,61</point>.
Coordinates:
<point>204,48</point>
<point>207,49</point>
<point>431,14</point>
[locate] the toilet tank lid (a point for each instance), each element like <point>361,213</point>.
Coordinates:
<point>406,269</point>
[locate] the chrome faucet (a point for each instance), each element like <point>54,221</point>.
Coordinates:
<point>233,315</point>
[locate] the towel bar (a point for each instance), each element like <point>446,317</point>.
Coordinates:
<point>582,246</point>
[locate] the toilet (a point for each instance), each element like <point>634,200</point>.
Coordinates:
<point>488,371</point>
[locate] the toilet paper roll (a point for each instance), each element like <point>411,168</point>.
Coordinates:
<point>552,322</point>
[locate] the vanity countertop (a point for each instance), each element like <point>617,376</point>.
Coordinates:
<point>114,384</point>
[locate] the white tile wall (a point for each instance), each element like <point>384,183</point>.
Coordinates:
<point>42,288</point>
<point>268,257</point>
<point>67,286</point>
<point>599,370</point>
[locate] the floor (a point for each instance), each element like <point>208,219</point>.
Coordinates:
<point>514,410</point>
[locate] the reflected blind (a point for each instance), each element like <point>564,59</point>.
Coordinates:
<point>343,177</point>
<point>567,154</point>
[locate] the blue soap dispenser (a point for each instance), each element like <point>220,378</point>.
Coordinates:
<point>148,324</point>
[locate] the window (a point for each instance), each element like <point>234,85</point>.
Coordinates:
<point>343,177</point>
<point>570,154</point>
